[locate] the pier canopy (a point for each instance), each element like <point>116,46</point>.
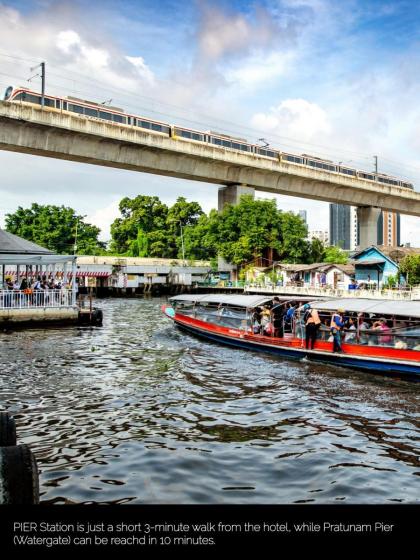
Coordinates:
<point>20,259</point>
<point>16,251</point>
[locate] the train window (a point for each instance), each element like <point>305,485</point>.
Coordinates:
<point>118,119</point>
<point>294,159</point>
<point>196,136</point>
<point>105,115</point>
<point>156,127</point>
<point>244,147</point>
<point>91,112</point>
<point>18,97</point>
<point>57,103</point>
<point>347,171</point>
<point>76,108</point>
<point>49,102</point>
<point>367,176</point>
<point>185,134</point>
<point>143,124</point>
<point>31,98</point>
<point>271,154</point>
<point>226,144</point>
<point>216,141</point>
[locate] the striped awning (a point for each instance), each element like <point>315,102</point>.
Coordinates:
<point>79,274</point>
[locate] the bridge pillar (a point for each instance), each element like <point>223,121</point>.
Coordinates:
<point>232,194</point>
<point>367,218</point>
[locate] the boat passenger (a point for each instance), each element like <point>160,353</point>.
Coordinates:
<point>265,320</point>
<point>385,338</point>
<point>363,326</point>
<point>277,312</point>
<point>337,323</point>
<point>312,325</point>
<point>351,331</point>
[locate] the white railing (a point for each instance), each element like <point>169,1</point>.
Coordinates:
<point>26,299</point>
<point>404,294</point>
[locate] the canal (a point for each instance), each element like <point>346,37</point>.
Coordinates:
<point>139,412</point>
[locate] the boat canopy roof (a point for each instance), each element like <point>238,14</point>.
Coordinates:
<point>376,306</point>
<point>235,300</point>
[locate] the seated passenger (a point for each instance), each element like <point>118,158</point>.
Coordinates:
<point>351,331</point>
<point>384,339</point>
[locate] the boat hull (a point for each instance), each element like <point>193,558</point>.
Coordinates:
<point>372,364</point>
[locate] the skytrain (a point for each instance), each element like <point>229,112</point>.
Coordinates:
<point>117,116</point>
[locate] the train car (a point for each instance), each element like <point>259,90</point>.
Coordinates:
<point>318,163</point>
<point>116,115</point>
<point>86,108</point>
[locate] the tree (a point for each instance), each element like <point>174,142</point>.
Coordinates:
<point>335,255</point>
<point>139,247</point>
<point>410,267</point>
<point>54,227</point>
<point>183,215</point>
<point>294,247</point>
<point>241,233</point>
<point>146,213</point>
<point>317,251</point>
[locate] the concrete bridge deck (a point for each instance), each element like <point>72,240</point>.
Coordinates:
<point>52,133</point>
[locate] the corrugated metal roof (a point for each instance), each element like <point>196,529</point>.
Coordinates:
<point>12,244</point>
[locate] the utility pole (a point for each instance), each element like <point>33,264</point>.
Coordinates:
<point>42,64</point>
<point>376,163</point>
<point>182,243</point>
<point>75,238</point>
<point>42,84</point>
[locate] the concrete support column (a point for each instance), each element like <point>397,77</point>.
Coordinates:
<point>232,194</point>
<point>367,217</point>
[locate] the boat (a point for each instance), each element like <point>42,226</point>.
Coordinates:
<point>233,320</point>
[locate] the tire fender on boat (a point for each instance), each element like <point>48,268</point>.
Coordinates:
<point>19,482</point>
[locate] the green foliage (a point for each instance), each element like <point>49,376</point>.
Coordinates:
<point>139,246</point>
<point>391,282</point>
<point>146,213</point>
<point>317,251</point>
<point>294,246</point>
<point>54,227</point>
<point>410,267</point>
<point>335,255</point>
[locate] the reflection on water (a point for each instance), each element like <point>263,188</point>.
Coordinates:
<point>139,412</point>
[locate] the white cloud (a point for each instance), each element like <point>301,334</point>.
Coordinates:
<point>296,118</point>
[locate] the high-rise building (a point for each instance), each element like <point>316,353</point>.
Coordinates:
<point>344,231</point>
<point>322,235</point>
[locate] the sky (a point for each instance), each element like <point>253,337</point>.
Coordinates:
<point>338,79</point>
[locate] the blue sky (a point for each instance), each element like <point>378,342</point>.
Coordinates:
<point>335,78</point>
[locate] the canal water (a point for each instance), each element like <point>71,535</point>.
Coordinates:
<point>139,412</point>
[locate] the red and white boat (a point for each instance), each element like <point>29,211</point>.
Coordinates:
<point>231,320</point>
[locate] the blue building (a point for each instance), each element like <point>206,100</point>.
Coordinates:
<point>374,267</point>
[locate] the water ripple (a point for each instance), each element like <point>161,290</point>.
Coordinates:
<point>139,412</point>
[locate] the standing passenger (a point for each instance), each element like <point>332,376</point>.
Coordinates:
<point>337,323</point>
<point>312,325</point>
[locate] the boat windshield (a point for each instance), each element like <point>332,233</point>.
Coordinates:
<point>222,314</point>
<point>213,312</point>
